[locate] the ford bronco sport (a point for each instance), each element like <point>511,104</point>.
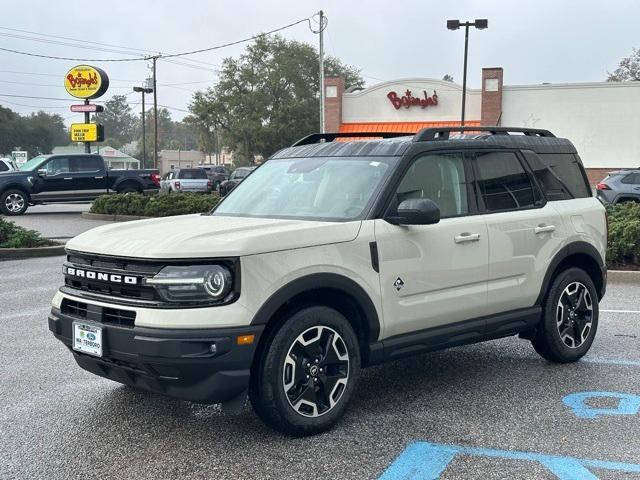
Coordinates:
<point>336,255</point>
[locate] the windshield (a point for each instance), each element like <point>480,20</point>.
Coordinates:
<point>33,163</point>
<point>316,188</point>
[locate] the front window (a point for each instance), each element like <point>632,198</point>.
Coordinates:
<point>34,163</point>
<point>315,188</point>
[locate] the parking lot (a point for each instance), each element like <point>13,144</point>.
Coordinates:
<point>493,410</point>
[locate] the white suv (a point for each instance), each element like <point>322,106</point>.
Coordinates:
<point>336,255</point>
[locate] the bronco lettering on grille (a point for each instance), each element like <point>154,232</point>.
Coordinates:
<point>101,276</point>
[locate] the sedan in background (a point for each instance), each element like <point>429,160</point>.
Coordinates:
<point>238,175</point>
<point>186,180</point>
<point>619,186</point>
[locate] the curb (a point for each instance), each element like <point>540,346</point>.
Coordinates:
<point>111,218</point>
<point>19,253</point>
<point>621,274</point>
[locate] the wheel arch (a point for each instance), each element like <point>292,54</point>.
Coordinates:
<point>125,182</point>
<point>577,254</point>
<point>329,289</point>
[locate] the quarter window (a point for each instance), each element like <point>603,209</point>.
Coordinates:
<point>632,178</point>
<point>503,183</point>
<point>560,175</point>
<point>438,177</point>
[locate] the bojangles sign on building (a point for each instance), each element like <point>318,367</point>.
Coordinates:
<point>408,100</point>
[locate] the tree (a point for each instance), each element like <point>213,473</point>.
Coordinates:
<point>37,133</point>
<point>628,69</point>
<point>266,98</point>
<point>118,120</point>
<point>448,78</point>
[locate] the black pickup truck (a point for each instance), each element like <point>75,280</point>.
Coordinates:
<point>68,178</point>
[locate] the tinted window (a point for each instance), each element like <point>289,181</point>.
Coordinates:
<point>85,164</point>
<point>632,178</point>
<point>560,175</point>
<point>503,183</point>
<point>57,165</point>
<point>3,167</point>
<point>193,174</point>
<point>439,177</point>
<point>241,173</point>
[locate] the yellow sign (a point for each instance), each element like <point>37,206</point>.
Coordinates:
<point>85,81</point>
<point>86,132</point>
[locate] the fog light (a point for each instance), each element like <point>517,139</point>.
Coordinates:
<point>213,349</point>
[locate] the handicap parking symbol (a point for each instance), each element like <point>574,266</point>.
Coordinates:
<point>627,404</point>
<point>427,461</point>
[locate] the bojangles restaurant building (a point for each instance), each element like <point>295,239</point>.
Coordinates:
<point>602,119</point>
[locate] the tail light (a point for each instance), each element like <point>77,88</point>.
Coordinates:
<point>603,186</point>
<point>209,184</point>
<point>177,185</point>
<point>155,178</point>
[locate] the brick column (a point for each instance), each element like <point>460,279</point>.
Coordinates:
<point>333,90</point>
<point>491,96</point>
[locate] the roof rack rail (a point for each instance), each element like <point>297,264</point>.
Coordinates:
<point>330,137</point>
<point>442,133</point>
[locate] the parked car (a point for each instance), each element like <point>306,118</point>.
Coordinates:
<point>336,256</point>
<point>7,165</point>
<point>68,178</point>
<point>186,180</point>
<point>217,174</point>
<point>619,186</point>
<point>238,175</point>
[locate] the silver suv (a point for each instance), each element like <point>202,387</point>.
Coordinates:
<point>619,186</point>
<point>333,256</point>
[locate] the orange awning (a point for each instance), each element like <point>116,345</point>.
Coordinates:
<point>403,127</point>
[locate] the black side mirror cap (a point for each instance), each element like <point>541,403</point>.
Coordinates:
<point>416,211</point>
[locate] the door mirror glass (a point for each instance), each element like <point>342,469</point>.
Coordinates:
<point>416,211</point>
<point>42,172</point>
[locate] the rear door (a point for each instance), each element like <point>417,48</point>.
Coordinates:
<point>88,177</point>
<point>525,231</point>
<point>433,275</point>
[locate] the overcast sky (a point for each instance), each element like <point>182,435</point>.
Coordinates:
<point>534,41</point>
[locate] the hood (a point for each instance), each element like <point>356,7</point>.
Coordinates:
<point>198,236</point>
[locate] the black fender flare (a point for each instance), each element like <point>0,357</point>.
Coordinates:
<point>16,186</point>
<point>573,248</point>
<point>124,181</point>
<point>318,281</point>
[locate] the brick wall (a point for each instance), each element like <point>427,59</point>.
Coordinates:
<point>597,174</point>
<point>333,90</point>
<point>491,107</point>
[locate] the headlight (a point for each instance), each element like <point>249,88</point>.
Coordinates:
<point>193,284</point>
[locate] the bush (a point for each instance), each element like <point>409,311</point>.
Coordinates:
<point>13,236</point>
<point>623,245</point>
<point>161,205</point>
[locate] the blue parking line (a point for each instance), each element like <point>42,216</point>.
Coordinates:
<point>612,361</point>
<point>628,404</point>
<point>427,461</point>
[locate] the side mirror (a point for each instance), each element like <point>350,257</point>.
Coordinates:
<point>42,172</point>
<point>416,211</point>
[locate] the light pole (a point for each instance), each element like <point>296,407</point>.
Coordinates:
<point>144,145</point>
<point>480,24</point>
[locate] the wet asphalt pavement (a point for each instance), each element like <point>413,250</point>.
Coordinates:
<point>58,421</point>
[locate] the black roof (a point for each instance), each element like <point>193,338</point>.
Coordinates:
<point>392,144</point>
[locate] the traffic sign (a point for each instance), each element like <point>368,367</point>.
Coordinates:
<point>87,107</point>
<point>87,132</point>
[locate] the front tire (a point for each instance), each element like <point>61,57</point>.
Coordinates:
<point>307,373</point>
<point>570,318</point>
<point>14,202</point>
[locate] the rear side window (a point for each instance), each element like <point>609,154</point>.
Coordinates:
<point>632,178</point>
<point>85,164</point>
<point>193,174</point>
<point>560,175</point>
<point>3,167</point>
<point>503,182</point>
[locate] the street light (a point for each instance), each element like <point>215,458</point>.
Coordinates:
<point>480,24</point>
<point>144,146</point>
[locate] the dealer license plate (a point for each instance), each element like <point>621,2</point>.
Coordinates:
<point>87,339</point>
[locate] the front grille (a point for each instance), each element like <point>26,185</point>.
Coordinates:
<point>87,311</point>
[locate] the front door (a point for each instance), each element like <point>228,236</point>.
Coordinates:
<point>433,275</point>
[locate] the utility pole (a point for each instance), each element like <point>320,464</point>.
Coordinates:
<point>321,34</point>
<point>144,137</point>
<point>155,116</point>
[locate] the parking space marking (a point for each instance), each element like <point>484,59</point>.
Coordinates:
<point>628,404</point>
<point>427,461</point>
<point>612,361</point>
<point>619,311</point>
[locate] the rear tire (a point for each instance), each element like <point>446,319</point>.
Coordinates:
<point>14,202</point>
<point>570,318</point>
<point>306,374</point>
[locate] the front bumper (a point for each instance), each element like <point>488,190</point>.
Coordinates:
<point>174,362</point>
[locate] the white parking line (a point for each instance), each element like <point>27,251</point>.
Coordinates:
<point>620,311</point>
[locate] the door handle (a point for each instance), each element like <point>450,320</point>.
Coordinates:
<point>98,178</point>
<point>544,228</point>
<point>68,178</point>
<point>467,237</point>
